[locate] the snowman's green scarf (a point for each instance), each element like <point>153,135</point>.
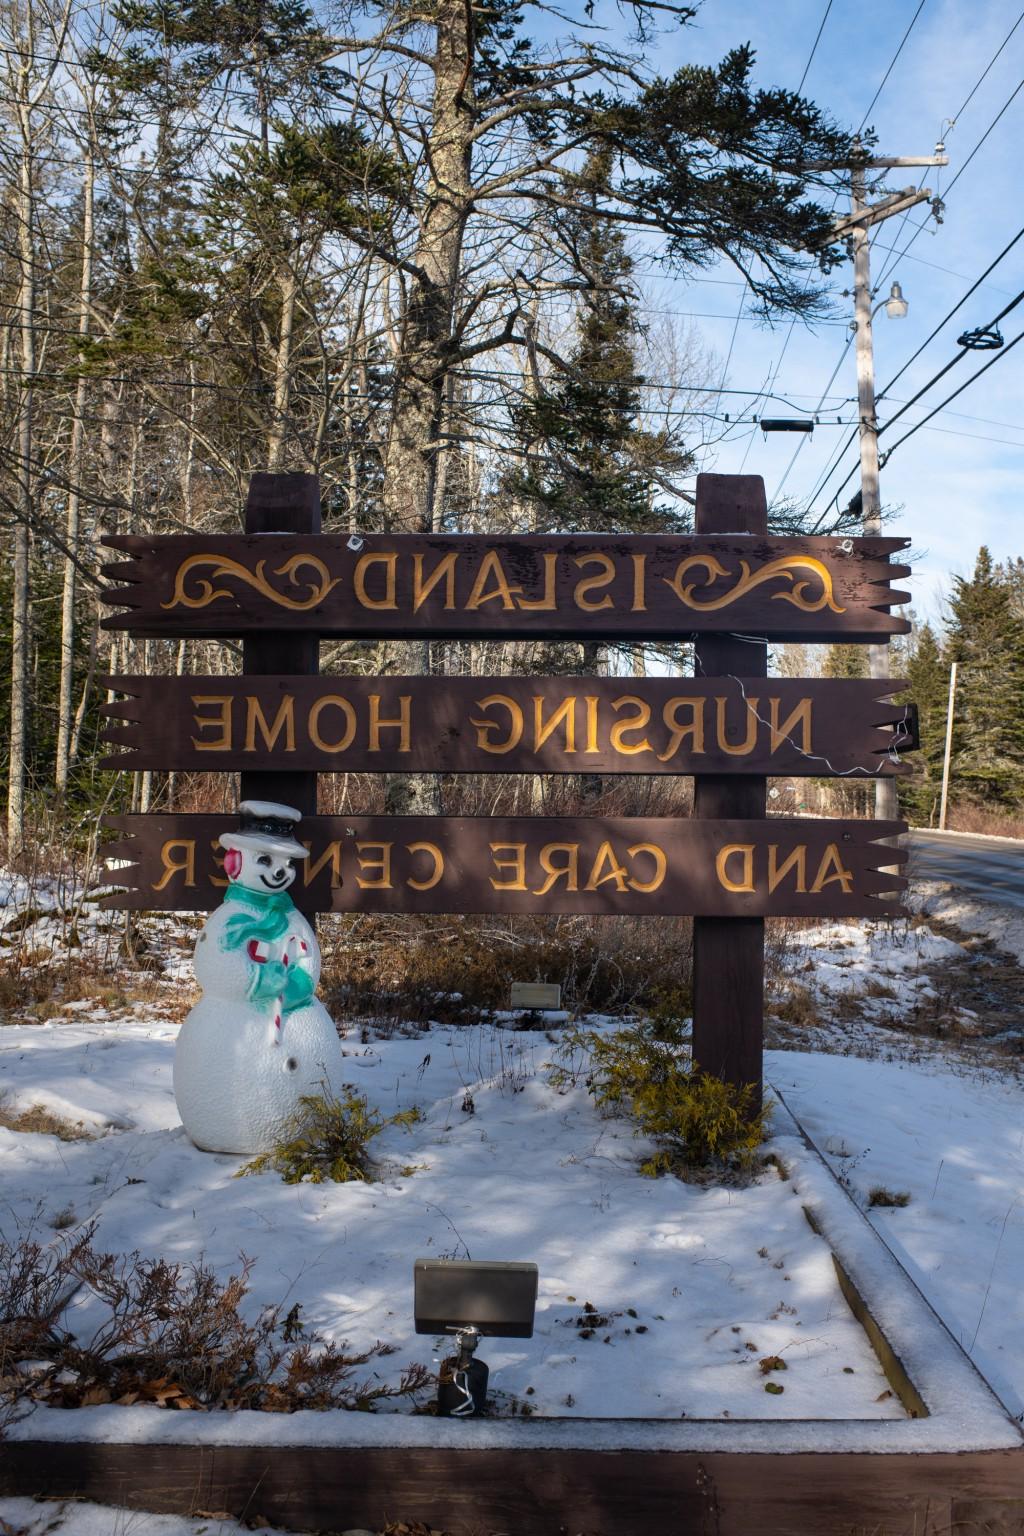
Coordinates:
<point>265,916</point>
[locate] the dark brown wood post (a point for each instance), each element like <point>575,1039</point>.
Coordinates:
<point>286,503</point>
<point>728,952</point>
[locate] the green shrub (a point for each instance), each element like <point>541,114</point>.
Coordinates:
<point>697,1121</point>
<point>328,1139</point>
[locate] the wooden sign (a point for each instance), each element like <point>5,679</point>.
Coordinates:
<point>826,727</point>
<point>477,587</point>
<point>638,866</point>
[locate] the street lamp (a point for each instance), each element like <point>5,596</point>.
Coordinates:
<point>896,305</point>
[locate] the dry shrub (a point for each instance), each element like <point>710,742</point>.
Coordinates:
<point>37,986</point>
<point>455,969</point>
<point>969,816</point>
<point>798,1006</point>
<point>172,1334</point>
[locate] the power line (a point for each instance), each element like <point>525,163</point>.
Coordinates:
<point>925,419</point>
<point>958,305</point>
<point>892,64</point>
<point>971,93</point>
<point>814,48</point>
<point>836,459</point>
<point>974,376</point>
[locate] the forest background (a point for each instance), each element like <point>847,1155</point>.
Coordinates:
<point>403,247</point>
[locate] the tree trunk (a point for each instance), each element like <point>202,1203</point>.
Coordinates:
<point>65,724</point>
<point>411,464</point>
<point>283,369</point>
<point>25,204</point>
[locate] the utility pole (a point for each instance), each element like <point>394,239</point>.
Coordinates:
<point>949,747</point>
<point>856,224</point>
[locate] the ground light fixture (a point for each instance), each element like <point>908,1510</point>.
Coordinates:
<point>471,1298</point>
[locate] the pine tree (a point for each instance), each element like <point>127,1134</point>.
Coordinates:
<point>986,639</point>
<point>927,672</point>
<point>591,464</point>
<point>845,661</point>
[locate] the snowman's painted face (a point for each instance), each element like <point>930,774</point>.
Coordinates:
<point>259,871</point>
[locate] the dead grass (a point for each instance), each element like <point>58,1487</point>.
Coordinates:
<point>967,816</point>
<point>36,986</point>
<point>456,970</point>
<point>40,1121</point>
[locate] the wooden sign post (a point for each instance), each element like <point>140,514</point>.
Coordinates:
<point>281,504</point>
<point>730,587</point>
<point>728,952</point>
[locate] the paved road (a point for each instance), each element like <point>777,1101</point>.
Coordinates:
<point>982,866</point>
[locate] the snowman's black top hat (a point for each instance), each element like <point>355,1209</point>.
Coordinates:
<point>266,825</point>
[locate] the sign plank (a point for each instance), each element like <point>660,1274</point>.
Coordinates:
<point>640,866</point>
<point>477,587</point>
<point>727,725</point>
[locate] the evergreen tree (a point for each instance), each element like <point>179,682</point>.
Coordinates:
<point>986,639</point>
<point>845,661</point>
<point>591,465</point>
<point>927,672</point>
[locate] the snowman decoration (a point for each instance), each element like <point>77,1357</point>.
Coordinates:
<point>258,1039</point>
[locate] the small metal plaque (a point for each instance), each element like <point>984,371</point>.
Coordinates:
<point>494,1296</point>
<point>535,994</point>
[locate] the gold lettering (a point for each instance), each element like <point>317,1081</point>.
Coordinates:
<point>311,867</point>
<point>344,741</point>
<point>800,715</point>
<point>589,583</point>
<point>547,603</point>
<point>380,860</point>
<point>590,700</point>
<point>680,732</point>
<point>484,739</point>
<point>615,871</point>
<point>747,746</point>
<point>569,871</point>
<point>797,859</point>
<point>639,577</point>
<point>660,866</point>
<point>284,720</point>
<point>564,714</point>
<point>517,863</point>
<point>746,853</point>
<point>220,721</point>
<point>438,857</point>
<point>401,724</point>
<point>363,564</point>
<point>184,866</point>
<point>830,860</point>
<point>491,566</point>
<point>631,723</point>
<point>444,571</point>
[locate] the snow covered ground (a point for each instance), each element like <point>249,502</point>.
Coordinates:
<point>694,1285</point>
<point>24,1517</point>
<point>697,1284</point>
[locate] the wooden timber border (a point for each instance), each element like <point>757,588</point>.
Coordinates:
<point>542,1491</point>
<point>953,1467</point>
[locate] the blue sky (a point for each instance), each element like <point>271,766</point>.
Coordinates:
<point>961,485</point>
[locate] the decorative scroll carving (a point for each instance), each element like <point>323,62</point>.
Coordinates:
<point>222,566</point>
<point>786,568</point>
